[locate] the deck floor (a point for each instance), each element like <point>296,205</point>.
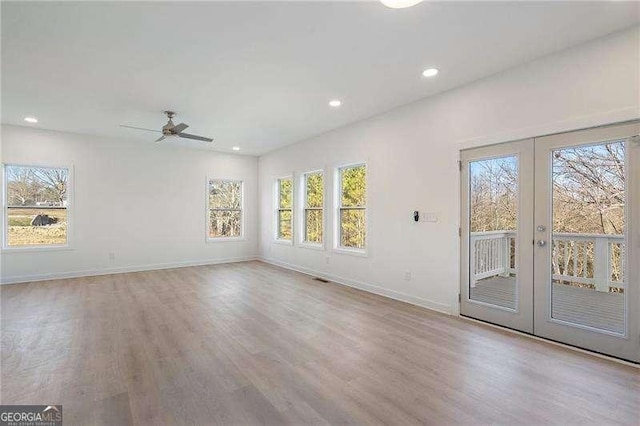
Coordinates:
<point>572,304</point>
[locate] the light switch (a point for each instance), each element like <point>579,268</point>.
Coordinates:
<point>429,217</point>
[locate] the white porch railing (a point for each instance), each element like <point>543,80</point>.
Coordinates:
<point>491,254</point>
<point>591,259</point>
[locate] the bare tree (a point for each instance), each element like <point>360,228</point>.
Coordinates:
<point>225,203</point>
<point>589,189</point>
<point>588,198</point>
<point>54,182</point>
<point>493,195</point>
<point>20,186</point>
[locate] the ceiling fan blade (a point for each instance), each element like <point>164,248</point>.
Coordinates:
<point>179,128</point>
<point>140,128</point>
<point>198,138</point>
<point>160,138</point>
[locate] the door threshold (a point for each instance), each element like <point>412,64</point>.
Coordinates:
<point>553,342</point>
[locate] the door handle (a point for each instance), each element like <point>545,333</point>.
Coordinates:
<point>541,243</point>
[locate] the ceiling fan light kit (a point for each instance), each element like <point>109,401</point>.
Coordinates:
<point>400,4</point>
<point>171,130</point>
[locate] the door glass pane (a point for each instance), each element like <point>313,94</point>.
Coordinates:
<point>588,243</point>
<point>493,225</point>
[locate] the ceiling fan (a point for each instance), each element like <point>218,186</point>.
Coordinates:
<point>171,130</point>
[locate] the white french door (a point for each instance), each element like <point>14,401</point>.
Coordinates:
<point>551,237</point>
<point>587,252</point>
<point>497,222</point>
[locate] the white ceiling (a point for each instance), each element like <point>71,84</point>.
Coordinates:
<point>259,75</point>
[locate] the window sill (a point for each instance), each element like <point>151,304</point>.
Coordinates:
<point>34,249</point>
<point>225,239</point>
<point>311,246</point>
<point>284,242</point>
<point>351,252</point>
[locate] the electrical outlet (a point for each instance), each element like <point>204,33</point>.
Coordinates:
<point>327,260</point>
<point>407,276</point>
<point>112,256</point>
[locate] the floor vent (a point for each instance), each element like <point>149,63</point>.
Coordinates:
<point>322,280</point>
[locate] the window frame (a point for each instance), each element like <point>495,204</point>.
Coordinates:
<point>303,210</point>
<point>242,236</point>
<point>4,247</point>
<point>337,229</point>
<point>277,210</point>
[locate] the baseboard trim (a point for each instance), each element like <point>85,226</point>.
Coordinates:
<point>380,291</point>
<point>124,269</point>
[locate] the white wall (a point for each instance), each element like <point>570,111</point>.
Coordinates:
<point>412,153</point>
<point>141,201</point>
<point>145,202</point>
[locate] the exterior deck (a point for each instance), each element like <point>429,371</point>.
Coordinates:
<point>602,310</point>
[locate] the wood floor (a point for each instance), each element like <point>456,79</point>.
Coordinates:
<point>250,343</point>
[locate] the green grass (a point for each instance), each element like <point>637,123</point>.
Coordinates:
<point>20,220</point>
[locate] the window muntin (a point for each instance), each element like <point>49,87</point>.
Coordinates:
<point>36,202</point>
<point>284,219</point>
<point>224,209</point>
<point>313,210</point>
<point>352,207</point>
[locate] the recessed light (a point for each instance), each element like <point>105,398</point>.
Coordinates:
<point>430,72</point>
<point>335,103</point>
<point>399,4</point>
<point>236,148</point>
<point>31,119</point>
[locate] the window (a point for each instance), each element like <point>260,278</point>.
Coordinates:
<point>313,209</point>
<point>284,190</point>
<point>352,207</point>
<point>224,209</point>
<point>36,202</point>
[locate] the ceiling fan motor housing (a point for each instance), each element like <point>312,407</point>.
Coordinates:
<point>166,129</point>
